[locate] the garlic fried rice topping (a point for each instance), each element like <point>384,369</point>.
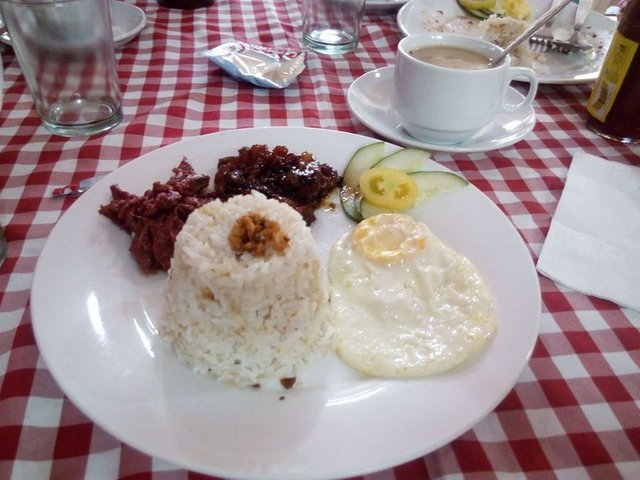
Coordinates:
<point>257,235</point>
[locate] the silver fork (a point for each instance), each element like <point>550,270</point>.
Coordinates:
<point>4,34</point>
<point>75,189</point>
<point>542,44</point>
<point>544,41</point>
<point>546,30</point>
<point>582,10</point>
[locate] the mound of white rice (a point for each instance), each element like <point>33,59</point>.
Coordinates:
<point>245,319</point>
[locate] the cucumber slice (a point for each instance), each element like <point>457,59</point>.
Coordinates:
<point>368,209</point>
<point>406,160</point>
<point>430,185</point>
<point>435,183</point>
<point>350,199</point>
<point>479,14</point>
<point>480,5</point>
<point>362,160</point>
<point>410,160</point>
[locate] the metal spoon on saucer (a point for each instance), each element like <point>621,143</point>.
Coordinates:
<point>552,12</point>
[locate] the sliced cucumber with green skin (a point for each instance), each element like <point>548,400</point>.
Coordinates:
<point>406,160</point>
<point>350,200</point>
<point>413,161</point>
<point>430,184</point>
<point>480,14</point>
<point>364,158</point>
<point>368,209</point>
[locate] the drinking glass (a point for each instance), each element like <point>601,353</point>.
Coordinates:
<point>331,26</point>
<point>66,53</point>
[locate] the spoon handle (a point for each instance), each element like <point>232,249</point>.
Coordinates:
<point>552,12</point>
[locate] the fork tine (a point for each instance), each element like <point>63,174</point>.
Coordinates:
<point>539,45</point>
<point>548,44</point>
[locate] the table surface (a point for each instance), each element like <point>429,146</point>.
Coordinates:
<point>574,412</point>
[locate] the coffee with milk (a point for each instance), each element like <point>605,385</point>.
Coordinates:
<point>451,57</point>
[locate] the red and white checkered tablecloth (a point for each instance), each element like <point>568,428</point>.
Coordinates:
<point>575,411</point>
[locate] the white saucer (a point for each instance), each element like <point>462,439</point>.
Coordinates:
<point>369,100</point>
<point>126,22</point>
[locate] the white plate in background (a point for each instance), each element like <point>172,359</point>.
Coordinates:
<point>558,68</point>
<point>127,21</point>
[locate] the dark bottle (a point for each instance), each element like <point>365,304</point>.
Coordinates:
<point>185,4</point>
<point>613,109</point>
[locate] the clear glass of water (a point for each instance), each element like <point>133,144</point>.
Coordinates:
<point>331,26</point>
<point>66,53</point>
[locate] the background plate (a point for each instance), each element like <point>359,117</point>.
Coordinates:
<point>558,68</point>
<point>127,21</point>
<point>95,318</point>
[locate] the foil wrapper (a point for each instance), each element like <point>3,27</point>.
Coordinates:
<point>262,66</point>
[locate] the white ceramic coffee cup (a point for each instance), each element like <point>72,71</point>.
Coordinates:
<point>449,105</point>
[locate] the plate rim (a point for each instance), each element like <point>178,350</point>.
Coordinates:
<point>37,298</point>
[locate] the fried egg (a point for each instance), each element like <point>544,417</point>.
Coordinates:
<point>404,304</point>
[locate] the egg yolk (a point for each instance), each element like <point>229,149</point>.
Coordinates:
<point>388,237</point>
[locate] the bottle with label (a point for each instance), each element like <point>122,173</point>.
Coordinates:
<point>613,109</point>
<point>185,4</point>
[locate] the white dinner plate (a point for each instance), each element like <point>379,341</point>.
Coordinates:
<point>557,68</point>
<point>369,99</point>
<point>95,318</point>
<point>376,5</point>
<point>127,21</point>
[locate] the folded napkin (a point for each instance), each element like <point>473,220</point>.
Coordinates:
<point>593,244</point>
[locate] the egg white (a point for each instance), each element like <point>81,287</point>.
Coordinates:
<point>424,311</point>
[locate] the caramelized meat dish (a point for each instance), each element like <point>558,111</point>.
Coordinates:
<point>298,180</point>
<point>155,218</point>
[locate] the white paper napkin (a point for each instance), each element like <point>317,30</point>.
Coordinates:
<point>593,244</point>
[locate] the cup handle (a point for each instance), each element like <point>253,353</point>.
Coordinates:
<point>517,73</point>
